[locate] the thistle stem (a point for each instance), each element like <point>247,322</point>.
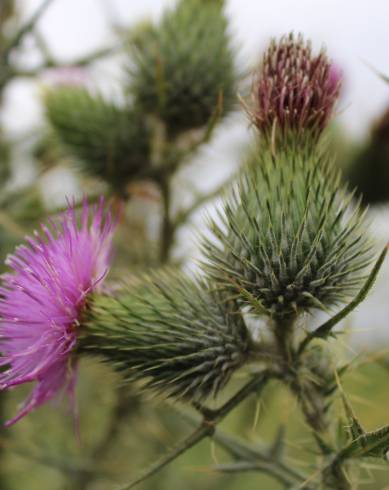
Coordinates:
<point>283,333</point>
<point>207,428</point>
<point>256,458</point>
<point>26,28</point>
<point>167,227</point>
<point>310,402</point>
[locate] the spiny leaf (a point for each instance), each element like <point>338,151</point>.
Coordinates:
<point>326,328</point>
<point>354,425</point>
<point>370,444</point>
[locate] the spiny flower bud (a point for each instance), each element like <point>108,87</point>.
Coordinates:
<point>105,140</point>
<point>294,90</point>
<point>183,70</point>
<point>289,239</point>
<point>176,336</point>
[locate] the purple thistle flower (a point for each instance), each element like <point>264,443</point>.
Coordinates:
<point>294,89</point>
<point>43,299</point>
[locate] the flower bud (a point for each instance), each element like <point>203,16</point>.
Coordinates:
<point>183,69</point>
<point>289,239</point>
<point>172,334</point>
<point>294,89</point>
<point>105,141</point>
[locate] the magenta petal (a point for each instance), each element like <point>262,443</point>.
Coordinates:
<point>42,300</point>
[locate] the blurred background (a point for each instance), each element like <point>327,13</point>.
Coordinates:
<point>87,45</point>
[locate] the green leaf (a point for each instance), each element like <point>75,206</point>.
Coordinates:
<point>373,444</point>
<point>354,426</point>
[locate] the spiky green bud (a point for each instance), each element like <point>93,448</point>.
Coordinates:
<point>183,69</point>
<point>107,141</point>
<point>289,239</point>
<point>174,334</point>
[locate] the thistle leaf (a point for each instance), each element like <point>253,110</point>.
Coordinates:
<point>370,444</point>
<point>325,330</point>
<point>363,444</point>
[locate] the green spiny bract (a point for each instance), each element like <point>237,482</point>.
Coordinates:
<point>289,239</point>
<point>183,69</point>
<point>176,336</point>
<point>107,141</point>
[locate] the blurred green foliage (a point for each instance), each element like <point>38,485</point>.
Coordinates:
<point>107,141</point>
<point>152,427</point>
<point>184,67</point>
<point>368,169</point>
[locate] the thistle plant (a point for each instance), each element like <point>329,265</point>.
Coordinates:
<point>289,240</point>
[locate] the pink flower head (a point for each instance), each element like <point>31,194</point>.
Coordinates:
<point>295,89</point>
<point>43,299</point>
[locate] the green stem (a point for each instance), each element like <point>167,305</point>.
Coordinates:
<point>56,64</point>
<point>284,336</point>
<point>207,428</point>
<point>167,228</point>
<point>256,458</point>
<point>311,403</point>
<point>26,28</point>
